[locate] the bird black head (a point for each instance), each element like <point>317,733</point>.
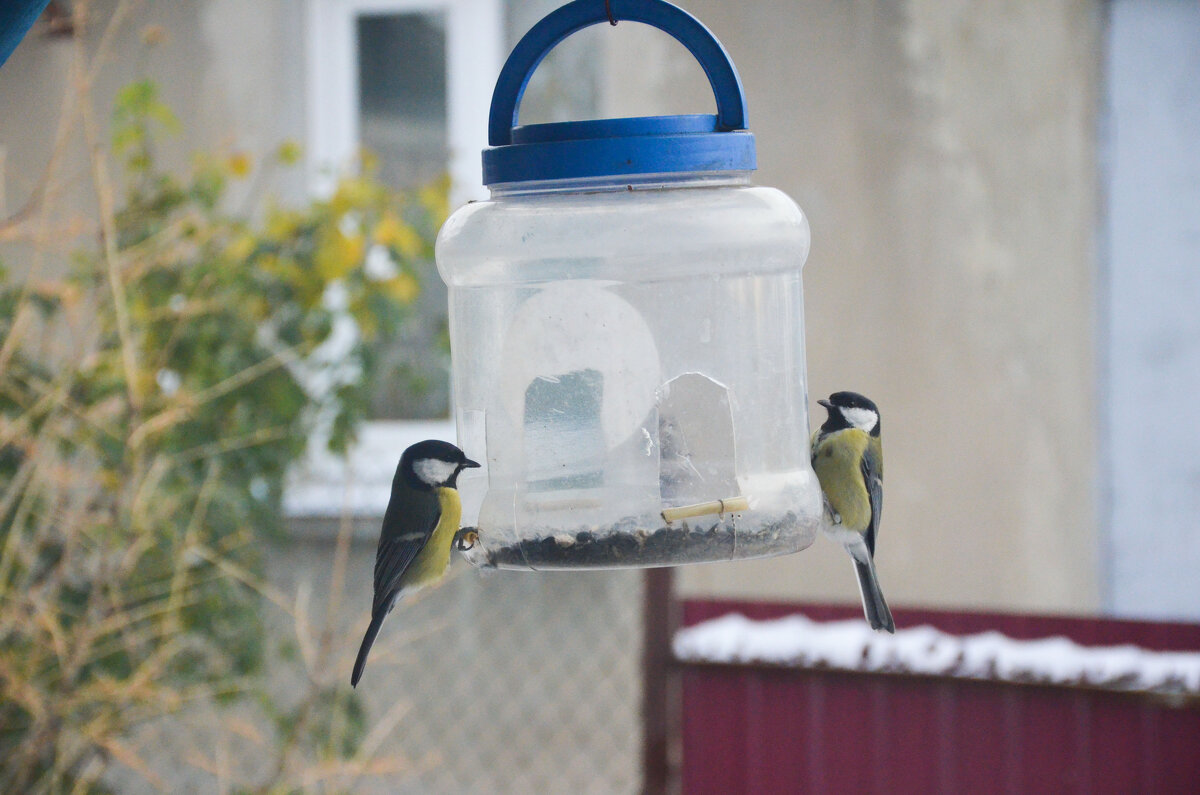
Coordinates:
<point>850,410</point>
<point>433,463</point>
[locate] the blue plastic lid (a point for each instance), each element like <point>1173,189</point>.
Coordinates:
<point>617,147</point>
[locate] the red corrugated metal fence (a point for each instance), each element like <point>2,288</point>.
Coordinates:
<point>761,729</point>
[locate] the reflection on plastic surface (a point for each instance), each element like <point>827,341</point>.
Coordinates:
<point>564,436</point>
<point>576,326</point>
<point>695,431</point>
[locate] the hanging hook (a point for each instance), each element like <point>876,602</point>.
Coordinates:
<point>608,10</point>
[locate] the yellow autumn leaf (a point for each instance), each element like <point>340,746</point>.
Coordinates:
<point>435,197</point>
<point>352,193</point>
<point>337,254</point>
<point>240,247</point>
<point>258,307</point>
<point>386,229</point>
<point>109,480</point>
<point>289,152</point>
<point>368,323</point>
<point>409,243</point>
<point>354,250</point>
<point>269,263</point>
<point>283,267</point>
<point>282,224</point>
<point>394,233</point>
<point>239,164</point>
<point>403,288</point>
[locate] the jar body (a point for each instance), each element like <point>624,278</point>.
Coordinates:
<point>629,367</point>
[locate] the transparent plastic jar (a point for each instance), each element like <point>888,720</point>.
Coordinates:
<point>628,348</point>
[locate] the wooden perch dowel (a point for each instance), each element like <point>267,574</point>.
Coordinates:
<point>728,505</point>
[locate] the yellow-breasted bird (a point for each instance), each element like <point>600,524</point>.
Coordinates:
<point>419,527</point>
<point>847,455</point>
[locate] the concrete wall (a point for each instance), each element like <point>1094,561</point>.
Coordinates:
<point>233,72</point>
<point>945,153</point>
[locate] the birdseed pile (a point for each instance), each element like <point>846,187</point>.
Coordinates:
<point>626,544</point>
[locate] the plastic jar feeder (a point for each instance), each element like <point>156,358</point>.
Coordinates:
<point>627,330</point>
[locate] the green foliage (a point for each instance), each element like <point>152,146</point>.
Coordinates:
<point>137,105</point>
<point>142,454</point>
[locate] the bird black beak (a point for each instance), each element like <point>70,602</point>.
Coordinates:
<point>826,404</point>
<point>469,464</point>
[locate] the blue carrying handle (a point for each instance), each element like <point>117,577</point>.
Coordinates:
<point>556,26</point>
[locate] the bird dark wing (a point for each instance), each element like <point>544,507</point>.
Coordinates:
<point>405,531</point>
<point>872,472</point>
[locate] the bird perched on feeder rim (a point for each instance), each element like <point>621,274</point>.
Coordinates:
<point>847,455</point>
<point>419,526</point>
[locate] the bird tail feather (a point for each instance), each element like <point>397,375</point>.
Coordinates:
<point>874,606</point>
<point>368,640</point>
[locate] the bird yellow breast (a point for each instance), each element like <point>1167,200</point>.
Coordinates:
<point>837,460</point>
<point>430,563</point>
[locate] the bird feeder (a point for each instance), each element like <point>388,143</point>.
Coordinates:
<point>627,329</point>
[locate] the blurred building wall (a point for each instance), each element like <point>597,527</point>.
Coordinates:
<point>946,155</point>
<point>232,72</point>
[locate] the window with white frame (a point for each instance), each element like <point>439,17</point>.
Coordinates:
<point>398,44</point>
<point>411,82</point>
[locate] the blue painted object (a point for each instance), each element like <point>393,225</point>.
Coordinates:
<point>16,18</point>
<point>617,147</point>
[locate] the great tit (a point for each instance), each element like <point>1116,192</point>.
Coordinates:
<point>847,456</point>
<point>419,525</point>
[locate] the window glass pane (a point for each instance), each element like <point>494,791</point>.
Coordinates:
<point>402,94</point>
<point>402,119</point>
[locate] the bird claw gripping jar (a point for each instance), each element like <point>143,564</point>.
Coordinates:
<point>627,329</point>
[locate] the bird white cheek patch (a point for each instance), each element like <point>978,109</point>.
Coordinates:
<point>433,471</point>
<point>861,418</point>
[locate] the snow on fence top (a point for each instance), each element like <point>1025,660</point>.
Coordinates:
<point>796,641</point>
